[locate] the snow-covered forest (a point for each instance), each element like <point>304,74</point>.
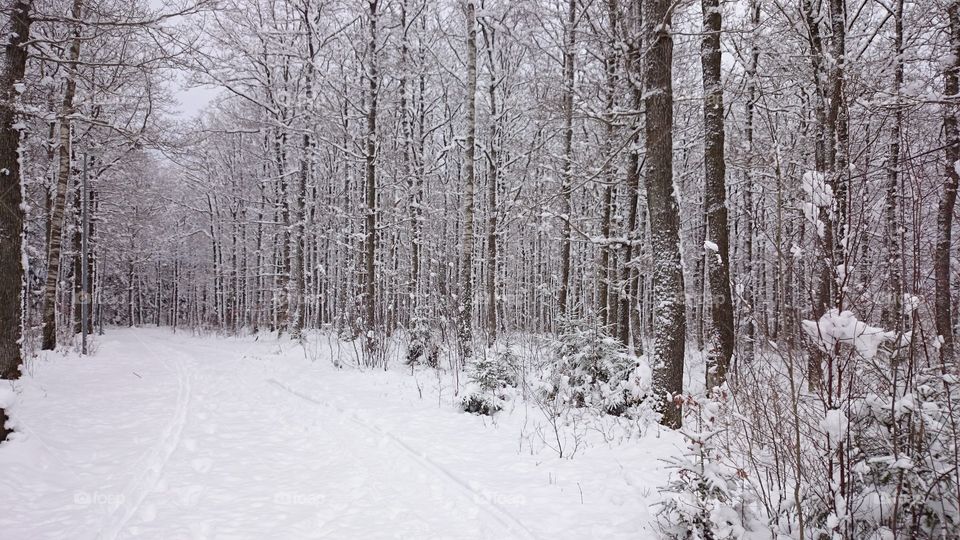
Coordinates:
<point>666,269</point>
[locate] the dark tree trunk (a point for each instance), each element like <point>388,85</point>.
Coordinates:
<point>567,181</point>
<point>941,262</point>
<point>893,310</point>
<point>715,199</point>
<point>11,211</point>
<point>668,290</point>
<point>493,180</point>
<point>370,233</point>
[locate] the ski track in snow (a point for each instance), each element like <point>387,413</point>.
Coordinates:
<point>158,457</point>
<point>190,438</point>
<point>512,525</point>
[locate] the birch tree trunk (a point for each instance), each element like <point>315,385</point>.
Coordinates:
<point>668,290</point>
<point>370,234</point>
<point>605,270</point>
<point>465,300</point>
<point>60,196</point>
<point>493,180</point>
<point>837,145</point>
<point>566,185</point>
<point>298,260</point>
<point>893,310</point>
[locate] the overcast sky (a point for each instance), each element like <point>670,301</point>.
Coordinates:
<point>192,99</point>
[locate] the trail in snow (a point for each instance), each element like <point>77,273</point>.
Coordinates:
<point>170,436</point>
<point>513,527</point>
<point>150,471</point>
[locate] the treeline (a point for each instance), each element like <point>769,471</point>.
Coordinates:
<point>697,180</point>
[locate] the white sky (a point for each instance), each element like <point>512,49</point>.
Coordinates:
<point>191,100</point>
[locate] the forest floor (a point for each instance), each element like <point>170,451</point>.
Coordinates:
<point>171,436</point>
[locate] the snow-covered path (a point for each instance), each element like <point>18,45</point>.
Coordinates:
<point>163,436</point>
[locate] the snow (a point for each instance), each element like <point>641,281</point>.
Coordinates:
<point>844,328</point>
<point>174,436</point>
<point>7,396</point>
<point>835,424</point>
<point>817,189</point>
<point>708,245</point>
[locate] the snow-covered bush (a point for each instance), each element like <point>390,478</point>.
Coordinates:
<point>422,348</point>
<point>886,448</point>
<point>593,369</point>
<point>707,498</point>
<point>905,449</point>
<point>490,376</point>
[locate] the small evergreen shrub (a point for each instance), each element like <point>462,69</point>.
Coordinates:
<point>423,348</point>
<point>706,499</point>
<point>490,377</point>
<point>593,369</point>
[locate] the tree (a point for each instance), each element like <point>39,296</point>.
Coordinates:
<point>465,295</point>
<point>566,185</point>
<point>65,169</point>
<point>948,198</point>
<point>11,197</point>
<point>668,290</point>
<point>715,198</point>
<point>370,233</point>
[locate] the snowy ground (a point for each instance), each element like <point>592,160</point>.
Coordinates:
<point>171,436</point>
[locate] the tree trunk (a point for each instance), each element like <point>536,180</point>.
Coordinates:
<point>822,162</point>
<point>630,333</point>
<point>493,181</point>
<point>566,186</point>
<point>715,199</point>
<point>893,310</point>
<point>749,214</point>
<point>605,273</point>
<point>11,197</point>
<point>668,291</point>
<point>63,181</point>
<point>941,262</point>
<point>370,234</point>
<point>837,142</point>
<point>465,308</point>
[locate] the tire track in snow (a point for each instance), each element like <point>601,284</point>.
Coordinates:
<point>491,508</point>
<point>155,460</point>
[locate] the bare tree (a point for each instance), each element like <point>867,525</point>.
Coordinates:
<point>669,316</point>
